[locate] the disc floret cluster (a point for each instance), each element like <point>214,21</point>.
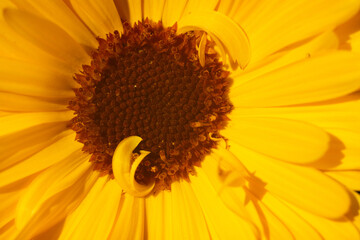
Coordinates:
<point>148,82</point>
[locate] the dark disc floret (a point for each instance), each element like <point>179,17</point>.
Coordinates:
<point>148,82</point>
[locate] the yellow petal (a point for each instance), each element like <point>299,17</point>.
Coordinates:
<point>168,216</point>
<point>341,113</point>
<point>329,229</point>
<point>280,220</point>
<point>356,219</point>
<point>153,9</point>
<point>9,231</point>
<point>222,222</point>
<point>343,152</point>
<point>351,179</point>
<point>155,210</point>
<point>201,50</point>
<point>9,197</point>
<point>173,10</point>
<point>325,42</point>
<point>19,103</point>
<point>270,215</point>
<point>233,171</point>
<point>188,219</point>
<point>8,206</point>
<point>317,79</point>
<point>75,218</point>
<point>135,10</point>
<point>272,227</point>
<point>3,114</point>
<point>51,233</point>
<point>130,219</point>
<point>101,18</point>
<point>24,52</point>
<point>131,10</point>
<point>54,180</point>
<point>234,200</point>
<point>56,208</point>
<point>284,139</point>
<point>35,80</point>
<point>49,156</point>
<point>196,5</point>
<point>95,216</point>
<point>233,195</point>
<point>58,12</point>
<point>7,47</point>
<point>229,7</point>
<point>124,173</point>
<point>355,42</point>
<point>18,122</point>
<point>231,35</point>
<point>304,187</point>
<point>21,145</point>
<point>108,202</point>
<point>273,24</point>
<point>122,7</point>
<point>14,47</point>
<point>18,4</point>
<point>56,41</point>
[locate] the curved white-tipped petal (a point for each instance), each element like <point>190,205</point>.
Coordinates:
<point>124,173</point>
<point>231,35</point>
<point>201,51</point>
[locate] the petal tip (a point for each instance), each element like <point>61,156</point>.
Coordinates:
<point>124,170</point>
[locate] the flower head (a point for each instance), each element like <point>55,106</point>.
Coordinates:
<point>179,119</point>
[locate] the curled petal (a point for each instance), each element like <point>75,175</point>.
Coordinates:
<point>221,48</point>
<point>201,50</point>
<point>124,171</point>
<point>230,34</point>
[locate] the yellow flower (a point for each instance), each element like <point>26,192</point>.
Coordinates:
<point>277,157</point>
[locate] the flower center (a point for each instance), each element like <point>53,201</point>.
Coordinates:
<point>148,82</point>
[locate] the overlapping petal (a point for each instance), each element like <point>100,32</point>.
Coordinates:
<point>59,13</point>
<point>304,187</point>
<point>35,80</point>
<point>29,26</point>
<point>130,219</point>
<point>88,221</point>
<point>101,18</point>
<point>41,160</point>
<point>317,79</point>
<point>284,139</point>
<point>31,140</point>
<point>273,25</point>
<point>57,207</point>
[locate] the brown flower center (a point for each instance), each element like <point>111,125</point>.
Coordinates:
<point>148,82</point>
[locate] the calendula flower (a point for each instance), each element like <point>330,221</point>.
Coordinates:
<point>179,119</point>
